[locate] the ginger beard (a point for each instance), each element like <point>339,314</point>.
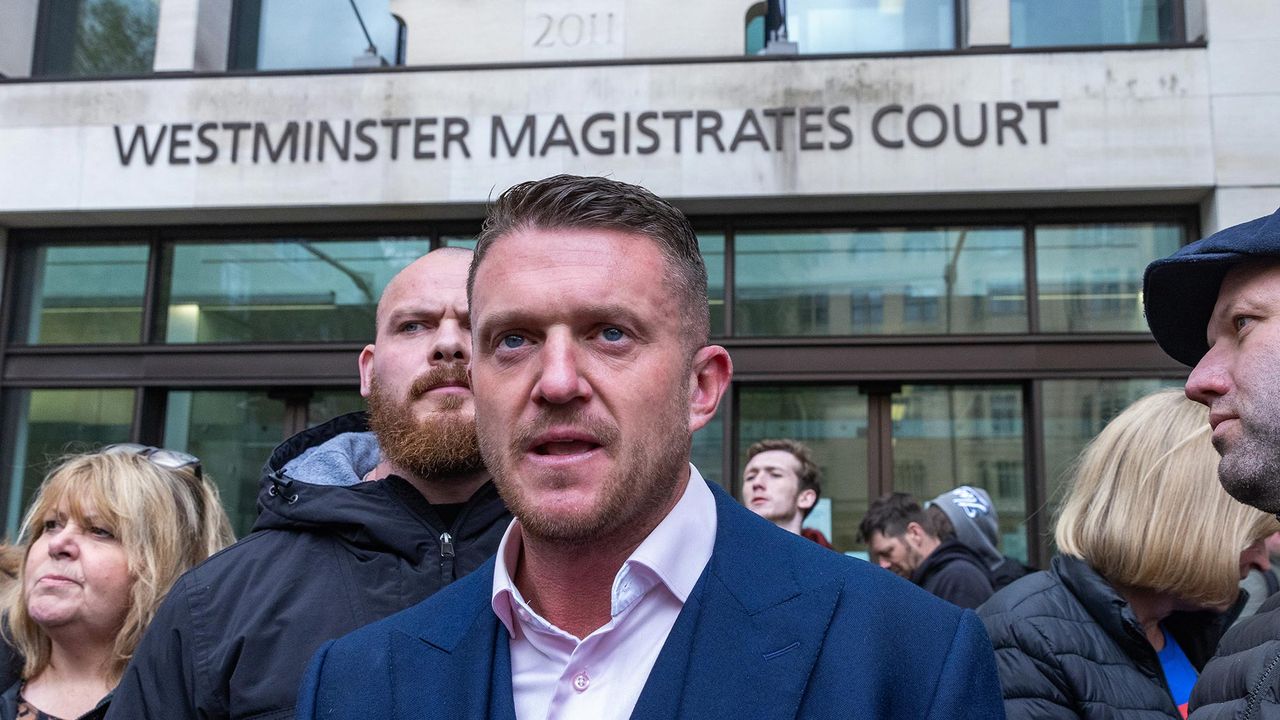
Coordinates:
<point>440,446</point>
<point>642,481</point>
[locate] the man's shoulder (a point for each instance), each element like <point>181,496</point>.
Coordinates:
<point>1244,669</point>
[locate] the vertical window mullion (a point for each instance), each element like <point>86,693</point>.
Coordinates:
<point>1032,281</point>
<point>1037,515</point>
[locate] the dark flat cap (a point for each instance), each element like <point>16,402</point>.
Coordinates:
<point>1179,291</point>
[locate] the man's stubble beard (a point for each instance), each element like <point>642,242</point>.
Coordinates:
<point>637,486</point>
<point>442,446</point>
<point>1250,468</point>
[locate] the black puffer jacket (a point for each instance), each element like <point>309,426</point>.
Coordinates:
<point>328,554</point>
<point>1068,646</point>
<point>1242,681</point>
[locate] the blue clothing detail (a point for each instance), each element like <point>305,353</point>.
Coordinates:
<point>1178,670</point>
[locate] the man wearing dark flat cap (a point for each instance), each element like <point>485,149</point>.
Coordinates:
<point>1215,305</point>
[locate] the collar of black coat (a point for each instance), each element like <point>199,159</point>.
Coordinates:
<point>1197,633</point>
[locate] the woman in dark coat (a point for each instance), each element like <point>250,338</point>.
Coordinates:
<point>1151,553</point>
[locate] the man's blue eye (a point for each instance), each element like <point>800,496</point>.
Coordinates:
<point>612,334</point>
<point>512,341</point>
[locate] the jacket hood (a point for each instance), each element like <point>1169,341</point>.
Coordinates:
<point>973,515</point>
<point>313,482</point>
<point>950,550</point>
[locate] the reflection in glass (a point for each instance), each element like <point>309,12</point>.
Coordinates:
<point>708,451</point>
<point>712,248</point>
<point>81,294</point>
<point>950,435</point>
<point>97,37</point>
<point>1075,411</point>
<point>1090,276</point>
<point>1091,22</point>
<point>877,282</point>
<point>289,34</point>
<point>233,433</point>
<point>832,421</point>
<point>281,290</point>
<point>468,242</point>
<point>330,403</point>
<point>41,426</point>
<point>869,26</point>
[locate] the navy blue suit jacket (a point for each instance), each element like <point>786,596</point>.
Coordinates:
<point>776,627</point>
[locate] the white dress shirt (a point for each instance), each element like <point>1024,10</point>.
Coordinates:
<point>555,675</point>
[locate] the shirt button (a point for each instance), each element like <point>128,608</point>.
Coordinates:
<point>581,682</point>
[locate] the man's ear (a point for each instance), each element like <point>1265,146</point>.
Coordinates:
<point>915,533</point>
<point>709,379</point>
<point>366,370</point>
<point>806,499</point>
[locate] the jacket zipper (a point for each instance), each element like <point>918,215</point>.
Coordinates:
<point>446,557</point>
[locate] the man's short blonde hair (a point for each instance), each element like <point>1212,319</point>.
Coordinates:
<point>1145,508</point>
<point>167,520</point>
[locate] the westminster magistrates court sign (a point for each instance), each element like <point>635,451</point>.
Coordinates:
<point>732,129</point>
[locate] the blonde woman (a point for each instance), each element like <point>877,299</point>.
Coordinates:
<point>105,537</point>
<point>1151,553</point>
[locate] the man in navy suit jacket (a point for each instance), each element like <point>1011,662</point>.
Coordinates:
<point>628,586</point>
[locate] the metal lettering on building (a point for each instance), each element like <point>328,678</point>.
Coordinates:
<point>672,132</point>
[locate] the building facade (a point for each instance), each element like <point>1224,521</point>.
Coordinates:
<point>925,221</point>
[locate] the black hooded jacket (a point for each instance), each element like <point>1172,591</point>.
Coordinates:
<point>328,554</point>
<point>1068,646</point>
<point>956,574</point>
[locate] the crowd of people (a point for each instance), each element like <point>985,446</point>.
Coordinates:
<point>514,528</point>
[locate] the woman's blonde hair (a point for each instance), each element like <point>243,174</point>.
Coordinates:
<point>1145,508</point>
<point>166,520</point>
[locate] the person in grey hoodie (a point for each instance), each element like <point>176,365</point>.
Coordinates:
<point>972,517</point>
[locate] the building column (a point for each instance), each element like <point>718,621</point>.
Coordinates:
<point>988,23</point>
<point>18,18</point>
<point>193,36</point>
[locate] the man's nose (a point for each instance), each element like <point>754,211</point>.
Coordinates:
<point>452,343</point>
<point>883,562</point>
<point>560,380</point>
<point>1210,378</point>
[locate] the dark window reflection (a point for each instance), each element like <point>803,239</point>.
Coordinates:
<point>280,290</point>
<point>878,282</point>
<point>96,37</point>
<point>80,294</point>
<point>1092,22</point>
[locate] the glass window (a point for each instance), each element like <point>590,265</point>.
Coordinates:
<point>233,433</point>
<point>328,404</point>
<point>712,248</point>
<point>468,242</point>
<point>708,451</point>
<point>832,421</point>
<point>871,26</point>
<point>80,294</point>
<point>1091,22</point>
<point>756,27</point>
<point>1090,276</point>
<point>945,436</point>
<point>291,34</point>
<point>40,426</point>
<point>281,290</point>
<point>879,282</point>
<point>96,37</point>
<point>1075,411</point>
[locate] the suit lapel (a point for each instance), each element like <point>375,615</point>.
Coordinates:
<point>751,630</point>
<point>455,661</point>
